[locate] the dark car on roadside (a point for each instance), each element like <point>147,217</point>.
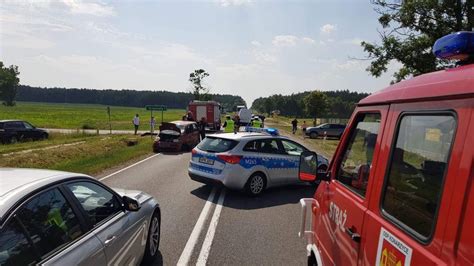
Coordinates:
<point>12,131</point>
<point>326,130</point>
<point>177,136</point>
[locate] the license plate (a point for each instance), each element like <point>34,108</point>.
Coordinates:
<point>206,161</point>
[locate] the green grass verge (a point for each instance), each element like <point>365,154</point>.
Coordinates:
<point>52,115</point>
<point>54,139</point>
<point>96,154</point>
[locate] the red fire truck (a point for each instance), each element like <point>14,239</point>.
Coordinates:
<point>400,187</point>
<point>210,110</point>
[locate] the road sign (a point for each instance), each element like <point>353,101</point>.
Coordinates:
<point>155,107</point>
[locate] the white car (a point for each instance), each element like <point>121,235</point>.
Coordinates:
<point>248,160</point>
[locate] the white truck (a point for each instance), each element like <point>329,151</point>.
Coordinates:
<point>245,115</point>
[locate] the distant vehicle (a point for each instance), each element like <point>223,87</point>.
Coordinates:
<point>177,136</point>
<point>239,107</point>
<point>245,116</point>
<point>58,218</point>
<point>248,161</point>
<point>210,110</point>
<point>326,130</point>
<point>12,131</point>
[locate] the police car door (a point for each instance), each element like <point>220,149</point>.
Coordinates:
<point>272,158</point>
<point>347,193</point>
<point>293,151</point>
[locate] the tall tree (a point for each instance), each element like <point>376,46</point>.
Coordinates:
<point>8,84</point>
<point>196,78</point>
<point>410,28</point>
<point>316,103</point>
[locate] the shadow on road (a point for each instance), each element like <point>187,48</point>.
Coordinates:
<point>157,262</point>
<point>272,197</point>
<point>174,152</point>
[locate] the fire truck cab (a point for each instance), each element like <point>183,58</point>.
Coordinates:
<point>400,187</point>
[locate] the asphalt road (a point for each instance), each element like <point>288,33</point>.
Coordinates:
<point>209,225</point>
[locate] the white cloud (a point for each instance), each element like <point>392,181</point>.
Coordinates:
<point>308,40</point>
<point>353,41</point>
<point>95,9</point>
<point>284,40</point>
<point>349,65</point>
<point>226,3</point>
<point>264,58</point>
<point>328,28</point>
<point>256,43</point>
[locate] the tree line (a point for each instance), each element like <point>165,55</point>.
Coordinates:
<point>327,104</point>
<point>132,98</point>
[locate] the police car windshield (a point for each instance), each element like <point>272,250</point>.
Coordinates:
<point>213,144</point>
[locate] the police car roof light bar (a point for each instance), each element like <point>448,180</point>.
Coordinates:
<point>271,131</point>
<point>458,46</point>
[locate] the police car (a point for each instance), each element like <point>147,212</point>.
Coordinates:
<point>253,161</point>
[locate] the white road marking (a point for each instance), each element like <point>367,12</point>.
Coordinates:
<point>128,167</point>
<point>211,231</point>
<point>193,238</point>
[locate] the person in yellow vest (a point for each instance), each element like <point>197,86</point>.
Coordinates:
<point>256,123</point>
<point>228,124</point>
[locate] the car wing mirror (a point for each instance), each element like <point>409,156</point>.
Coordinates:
<point>130,204</point>
<point>308,166</point>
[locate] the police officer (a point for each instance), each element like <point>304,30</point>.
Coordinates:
<point>256,123</point>
<point>228,124</point>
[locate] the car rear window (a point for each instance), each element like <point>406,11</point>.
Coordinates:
<point>212,144</point>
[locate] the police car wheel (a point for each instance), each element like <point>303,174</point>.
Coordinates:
<point>256,184</point>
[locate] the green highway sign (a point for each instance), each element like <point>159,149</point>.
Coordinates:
<point>156,107</point>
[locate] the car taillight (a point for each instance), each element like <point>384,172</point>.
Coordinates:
<point>232,159</point>
<point>194,151</point>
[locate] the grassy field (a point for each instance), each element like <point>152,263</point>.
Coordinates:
<point>90,154</point>
<point>51,115</point>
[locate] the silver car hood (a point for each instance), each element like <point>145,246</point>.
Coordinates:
<point>140,196</point>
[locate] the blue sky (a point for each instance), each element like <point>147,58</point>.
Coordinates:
<point>250,48</point>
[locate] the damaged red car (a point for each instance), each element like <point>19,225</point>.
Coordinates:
<point>177,136</point>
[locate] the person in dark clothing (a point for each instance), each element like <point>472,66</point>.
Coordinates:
<point>202,128</point>
<point>294,123</point>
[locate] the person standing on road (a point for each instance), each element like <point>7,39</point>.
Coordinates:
<point>303,127</point>
<point>236,123</point>
<point>294,123</point>
<point>136,122</point>
<point>152,124</point>
<point>229,125</point>
<point>202,128</point>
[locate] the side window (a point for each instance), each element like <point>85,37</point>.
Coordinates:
<point>414,182</point>
<point>27,125</point>
<point>17,124</point>
<point>325,126</point>
<point>49,221</point>
<point>97,202</point>
<point>15,249</point>
<point>355,166</point>
<point>292,148</point>
<point>269,146</point>
<point>251,146</point>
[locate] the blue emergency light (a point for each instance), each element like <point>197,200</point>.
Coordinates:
<point>459,45</point>
<point>271,131</point>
